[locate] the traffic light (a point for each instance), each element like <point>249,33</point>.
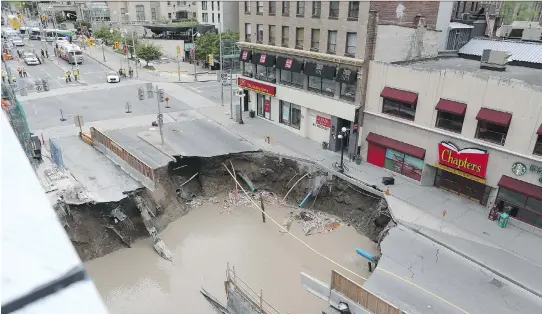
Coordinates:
<point>91,42</point>
<point>116,45</point>
<point>210,59</point>
<point>45,85</point>
<point>178,50</point>
<point>141,93</point>
<point>43,18</point>
<point>20,16</point>
<point>161,95</point>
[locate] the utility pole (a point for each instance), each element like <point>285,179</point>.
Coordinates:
<point>221,65</point>
<point>134,47</point>
<point>160,121</point>
<point>194,44</point>
<point>178,62</point>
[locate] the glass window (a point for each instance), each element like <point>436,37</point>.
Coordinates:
<point>271,34</point>
<point>399,109</point>
<point>512,197</point>
<point>333,9</point>
<point>247,6</point>
<point>538,146</point>
<point>285,36</point>
<point>248,31</point>
<point>140,12</point>
<point>272,7</point>
<point>265,73</point>
<point>259,9</point>
<point>331,41</point>
<point>217,5</point>
<point>291,78</point>
<point>259,104</point>
<point>247,69</point>
<point>353,10</point>
<point>351,44</point>
<point>450,121</point>
<point>299,34</point>
<point>316,8</point>
<point>285,8</point>
<point>315,39</point>
<point>204,5</point>
<point>322,85</point>
<point>260,33</point>
<point>348,91</point>
<point>153,14</point>
<point>491,132</point>
<point>403,164</point>
<point>290,114</point>
<point>300,8</point>
<point>205,17</point>
<point>534,205</point>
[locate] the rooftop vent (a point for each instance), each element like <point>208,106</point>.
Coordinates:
<point>494,60</point>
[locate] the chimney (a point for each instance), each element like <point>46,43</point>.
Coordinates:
<point>419,21</point>
<point>370,47</point>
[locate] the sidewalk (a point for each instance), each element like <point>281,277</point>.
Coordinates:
<point>114,61</point>
<point>511,252</point>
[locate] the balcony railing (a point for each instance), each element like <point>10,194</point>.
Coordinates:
<point>449,125</point>
<point>491,136</point>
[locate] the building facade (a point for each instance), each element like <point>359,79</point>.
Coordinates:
<point>302,60</point>
<point>224,15</point>
<point>147,12</point>
<point>447,123</point>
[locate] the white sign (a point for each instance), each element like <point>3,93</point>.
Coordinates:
<point>79,121</point>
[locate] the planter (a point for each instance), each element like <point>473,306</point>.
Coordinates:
<point>357,160</point>
<point>325,145</point>
<point>252,113</point>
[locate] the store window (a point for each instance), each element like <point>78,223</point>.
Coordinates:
<point>491,132</point>
<point>538,146</point>
<point>247,69</point>
<point>519,206</point>
<point>322,85</point>
<point>348,91</point>
<point>403,164</point>
<point>399,109</point>
<point>449,121</point>
<point>265,73</point>
<point>290,114</point>
<point>291,78</point>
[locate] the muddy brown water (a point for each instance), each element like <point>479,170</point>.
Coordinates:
<point>137,280</point>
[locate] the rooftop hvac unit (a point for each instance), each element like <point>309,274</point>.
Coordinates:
<point>465,16</point>
<point>494,60</point>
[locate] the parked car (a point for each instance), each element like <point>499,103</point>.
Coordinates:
<point>17,41</point>
<point>113,77</point>
<point>30,59</point>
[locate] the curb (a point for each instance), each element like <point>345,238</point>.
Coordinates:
<point>464,255</point>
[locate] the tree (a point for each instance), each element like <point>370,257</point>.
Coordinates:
<point>148,52</point>
<point>60,18</point>
<point>517,11</point>
<point>209,43</point>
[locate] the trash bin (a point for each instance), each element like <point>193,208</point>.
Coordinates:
<point>503,220</point>
<point>324,145</point>
<point>252,113</point>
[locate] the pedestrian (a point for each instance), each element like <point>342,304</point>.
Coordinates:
<point>20,70</point>
<point>120,72</point>
<point>24,73</point>
<point>67,76</point>
<point>42,53</point>
<point>4,76</point>
<point>47,54</point>
<point>131,72</point>
<point>76,74</point>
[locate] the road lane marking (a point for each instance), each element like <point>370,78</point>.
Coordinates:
<point>52,77</point>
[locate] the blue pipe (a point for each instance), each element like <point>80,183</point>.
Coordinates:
<point>365,254</point>
<point>305,199</point>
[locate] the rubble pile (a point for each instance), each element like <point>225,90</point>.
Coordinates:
<point>313,222</point>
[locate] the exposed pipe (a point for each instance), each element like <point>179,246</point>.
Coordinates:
<point>285,196</point>
<point>189,180</point>
<point>251,185</point>
<point>305,199</point>
<point>367,255</point>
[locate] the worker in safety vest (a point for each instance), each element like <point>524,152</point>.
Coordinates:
<point>4,74</point>
<point>76,74</point>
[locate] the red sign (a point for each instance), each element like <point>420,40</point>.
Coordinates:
<point>256,86</point>
<point>263,56</point>
<point>245,55</point>
<point>323,121</point>
<point>468,160</point>
<point>288,64</point>
<point>267,105</point>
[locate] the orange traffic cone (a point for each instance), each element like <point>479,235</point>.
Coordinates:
<point>388,191</point>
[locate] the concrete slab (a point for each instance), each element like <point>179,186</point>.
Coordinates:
<point>196,138</point>
<point>103,179</point>
<point>412,265</point>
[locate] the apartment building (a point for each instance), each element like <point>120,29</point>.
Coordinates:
<point>302,60</point>
<point>224,15</point>
<point>152,11</point>
<point>473,132</point>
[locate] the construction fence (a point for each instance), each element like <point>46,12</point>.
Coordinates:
<point>358,294</point>
<point>131,160</point>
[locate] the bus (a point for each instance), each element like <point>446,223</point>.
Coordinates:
<point>34,33</point>
<point>71,53</point>
<point>66,33</point>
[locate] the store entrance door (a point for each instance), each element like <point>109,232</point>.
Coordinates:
<point>461,186</point>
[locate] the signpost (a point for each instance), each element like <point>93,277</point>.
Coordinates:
<point>79,122</point>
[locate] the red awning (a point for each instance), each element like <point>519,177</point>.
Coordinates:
<point>451,106</point>
<point>494,116</point>
<point>399,95</point>
<point>521,187</point>
<point>539,132</point>
<point>408,149</point>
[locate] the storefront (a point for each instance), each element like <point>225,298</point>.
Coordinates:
<point>264,93</point>
<point>462,171</point>
<point>265,67</point>
<point>522,200</point>
<point>399,157</point>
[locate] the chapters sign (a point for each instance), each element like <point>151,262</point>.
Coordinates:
<point>256,86</point>
<point>468,160</point>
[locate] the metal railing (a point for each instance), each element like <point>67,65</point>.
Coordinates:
<point>491,136</point>
<point>251,295</point>
<point>449,125</point>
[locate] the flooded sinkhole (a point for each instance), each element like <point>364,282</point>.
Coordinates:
<point>200,220</point>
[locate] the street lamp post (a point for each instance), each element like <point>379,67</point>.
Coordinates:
<point>341,137</point>
<point>241,94</point>
<point>194,44</point>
